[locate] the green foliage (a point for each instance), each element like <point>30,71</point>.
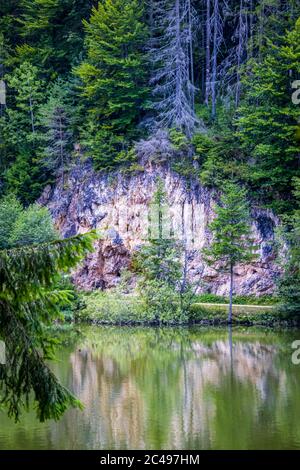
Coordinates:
<point>161,306</point>
<point>255,144</point>
<point>231,230</point>
<point>24,178</point>
<point>10,210</point>
<point>20,226</point>
<point>159,261</point>
<point>95,54</point>
<point>232,243</point>
<point>203,144</point>
<point>34,225</point>
<point>18,127</point>
<point>54,45</point>
<point>114,75</point>
<point>267,120</point>
<point>28,95</point>
<point>220,156</point>
<point>164,302</point>
<point>113,307</point>
<point>238,299</point>
<point>182,159</point>
<point>55,120</point>
<point>218,315</point>
<point>106,148</point>
<point>289,284</point>
<point>71,304</point>
<point>179,140</point>
<point>163,285</point>
<point>27,304</point>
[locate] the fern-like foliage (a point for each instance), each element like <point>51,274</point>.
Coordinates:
<point>28,304</point>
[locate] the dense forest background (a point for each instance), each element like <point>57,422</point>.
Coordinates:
<point>206,85</point>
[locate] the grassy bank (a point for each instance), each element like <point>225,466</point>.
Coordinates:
<point>119,309</point>
<point>238,299</point>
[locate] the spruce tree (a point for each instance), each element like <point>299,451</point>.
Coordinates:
<point>267,120</point>
<point>289,284</point>
<point>29,89</point>
<point>232,243</point>
<point>114,74</point>
<point>29,303</point>
<point>10,210</point>
<point>162,266</point>
<point>19,130</point>
<point>52,33</point>
<point>56,134</point>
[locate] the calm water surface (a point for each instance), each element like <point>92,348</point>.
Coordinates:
<point>195,388</point>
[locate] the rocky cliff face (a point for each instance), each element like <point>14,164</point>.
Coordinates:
<point>119,206</point>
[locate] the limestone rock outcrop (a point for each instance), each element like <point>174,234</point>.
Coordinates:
<point>118,205</point>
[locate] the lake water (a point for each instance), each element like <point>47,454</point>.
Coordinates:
<point>171,388</point>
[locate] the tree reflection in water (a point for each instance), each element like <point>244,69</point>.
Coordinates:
<point>177,388</point>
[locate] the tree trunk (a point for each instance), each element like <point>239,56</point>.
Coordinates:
<point>230,294</point>
<point>61,152</point>
<point>214,62</point>
<point>251,47</point>
<point>191,55</point>
<point>31,115</point>
<point>178,103</point>
<point>207,53</point>
<point>151,15</point>
<point>239,55</point>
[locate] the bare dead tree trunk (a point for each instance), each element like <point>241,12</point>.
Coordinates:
<point>261,29</point>
<point>178,64</point>
<point>240,48</point>
<point>61,149</point>
<point>214,59</point>
<point>251,45</point>
<point>192,80</point>
<point>151,14</point>
<point>31,114</point>
<point>231,293</point>
<point>207,53</point>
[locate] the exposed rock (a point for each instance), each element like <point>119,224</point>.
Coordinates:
<point>118,206</point>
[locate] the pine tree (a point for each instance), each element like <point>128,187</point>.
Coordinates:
<point>217,22</point>
<point>157,259</point>
<point>19,131</point>
<point>57,135</point>
<point>114,75</point>
<point>231,229</point>
<point>19,226</point>
<point>33,225</point>
<point>28,95</point>
<point>289,284</point>
<point>28,303</point>
<point>10,210</point>
<point>48,43</point>
<point>9,25</point>
<point>162,266</point>
<point>267,119</point>
<point>207,51</point>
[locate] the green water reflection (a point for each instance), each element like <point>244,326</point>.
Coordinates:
<point>171,389</point>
